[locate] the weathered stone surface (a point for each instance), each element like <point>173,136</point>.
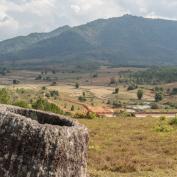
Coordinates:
<point>39,144</point>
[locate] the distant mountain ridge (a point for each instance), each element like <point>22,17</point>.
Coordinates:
<point>126,40</point>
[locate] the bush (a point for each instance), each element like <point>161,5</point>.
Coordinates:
<point>44,105</point>
<point>95,75</point>
<point>163,125</point>
<point>54,93</point>
<point>116,91</point>
<point>80,116</point>
<point>132,87</point>
<point>39,77</point>
<point>15,82</point>
<point>163,128</point>
<point>91,115</point>
<point>72,108</point>
<point>44,88</point>
<point>140,94</point>
<point>4,96</point>
<point>127,114</point>
<point>173,121</point>
<point>113,81</point>
<point>53,83</point>
<point>159,89</point>
<point>117,104</point>
<point>20,91</point>
<point>174,91</point>
<point>77,85</point>
<point>82,98</point>
<point>155,106</point>
<point>21,104</point>
<point>158,96</point>
<point>108,102</point>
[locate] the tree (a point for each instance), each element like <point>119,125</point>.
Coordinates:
<point>53,72</point>
<point>140,94</point>
<point>77,85</point>
<point>16,81</point>
<point>82,98</point>
<point>39,77</point>
<point>158,96</point>
<point>72,108</point>
<point>116,90</point>
<point>95,75</point>
<point>174,91</point>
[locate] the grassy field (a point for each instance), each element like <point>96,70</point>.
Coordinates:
<point>131,147</point>
<point>119,147</point>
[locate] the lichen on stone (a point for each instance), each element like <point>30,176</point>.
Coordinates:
<point>39,144</point>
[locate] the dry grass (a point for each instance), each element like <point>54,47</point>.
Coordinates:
<point>130,147</point>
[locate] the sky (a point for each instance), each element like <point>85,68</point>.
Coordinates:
<point>21,17</point>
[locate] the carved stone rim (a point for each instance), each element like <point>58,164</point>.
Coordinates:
<point>38,117</point>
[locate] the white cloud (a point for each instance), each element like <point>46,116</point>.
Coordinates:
<point>20,17</point>
<point>76,8</point>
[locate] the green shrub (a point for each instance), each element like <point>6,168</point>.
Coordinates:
<point>39,77</point>
<point>163,128</point>
<point>155,106</point>
<point>173,121</point>
<point>113,81</point>
<point>117,104</point>
<point>47,95</point>
<point>132,87</point>
<point>163,118</point>
<point>91,115</point>
<point>77,85</point>
<point>163,125</point>
<point>72,108</point>
<point>4,96</point>
<point>44,88</point>
<point>22,104</point>
<point>82,98</point>
<point>140,94</point>
<point>174,91</point>
<point>79,116</point>
<point>44,105</point>
<point>53,83</point>
<point>54,93</point>
<point>20,91</point>
<point>15,81</point>
<point>116,91</point>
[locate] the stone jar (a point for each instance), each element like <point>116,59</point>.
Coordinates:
<point>39,144</point>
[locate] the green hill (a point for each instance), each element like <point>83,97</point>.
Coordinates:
<point>126,40</point>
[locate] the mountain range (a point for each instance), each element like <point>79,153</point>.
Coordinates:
<point>126,40</point>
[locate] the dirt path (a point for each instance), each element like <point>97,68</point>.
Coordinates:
<point>97,110</point>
